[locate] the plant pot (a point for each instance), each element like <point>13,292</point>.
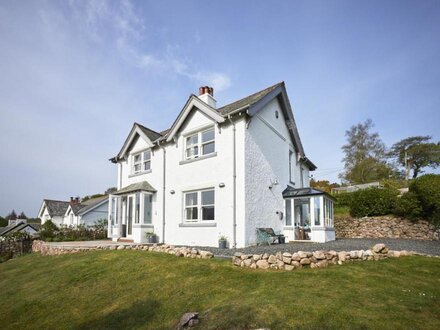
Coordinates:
<point>222,244</point>
<point>151,239</point>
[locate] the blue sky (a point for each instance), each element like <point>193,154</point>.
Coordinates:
<point>75,75</point>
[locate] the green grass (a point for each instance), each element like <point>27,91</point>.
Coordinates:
<point>144,290</point>
<point>342,211</point>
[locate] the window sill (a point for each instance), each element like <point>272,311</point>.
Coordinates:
<point>142,225</point>
<point>140,173</point>
<point>197,224</point>
<point>182,162</point>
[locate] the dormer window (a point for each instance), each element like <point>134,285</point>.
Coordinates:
<point>141,162</point>
<point>200,144</point>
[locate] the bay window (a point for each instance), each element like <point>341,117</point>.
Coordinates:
<point>199,205</point>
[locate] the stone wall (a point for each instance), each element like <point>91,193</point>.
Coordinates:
<point>13,247</point>
<point>384,227</point>
<point>317,259</point>
<point>48,250</point>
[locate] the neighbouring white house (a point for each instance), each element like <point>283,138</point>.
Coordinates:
<point>86,213</point>
<point>53,210</point>
<point>219,172</point>
<point>75,212</point>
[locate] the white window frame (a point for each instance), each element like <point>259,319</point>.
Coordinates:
<point>198,205</point>
<point>142,162</point>
<point>199,144</point>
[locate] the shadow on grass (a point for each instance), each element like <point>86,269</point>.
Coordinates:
<point>137,315</point>
<point>230,317</point>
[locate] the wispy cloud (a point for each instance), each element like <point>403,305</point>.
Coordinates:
<point>129,36</point>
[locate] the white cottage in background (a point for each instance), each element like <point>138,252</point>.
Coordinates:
<point>219,172</point>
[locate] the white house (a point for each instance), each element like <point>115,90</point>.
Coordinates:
<point>21,226</point>
<point>86,213</point>
<point>53,210</point>
<point>219,172</point>
<point>74,213</point>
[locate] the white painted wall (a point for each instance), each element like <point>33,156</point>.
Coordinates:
<point>267,160</point>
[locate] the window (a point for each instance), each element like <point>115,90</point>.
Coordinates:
<point>199,205</point>
<point>137,208</point>
<point>147,208</point>
<point>317,209</point>
<point>141,162</point>
<point>291,155</point>
<point>288,212</point>
<point>200,144</point>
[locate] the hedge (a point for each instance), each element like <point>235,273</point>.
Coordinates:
<point>372,202</point>
<point>427,191</point>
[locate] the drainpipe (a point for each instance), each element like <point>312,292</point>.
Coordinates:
<point>234,191</point>
<point>163,194</point>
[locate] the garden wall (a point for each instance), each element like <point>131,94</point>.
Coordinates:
<point>384,227</point>
<point>11,248</point>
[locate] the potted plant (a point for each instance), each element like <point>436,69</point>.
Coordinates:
<point>222,242</point>
<point>151,237</point>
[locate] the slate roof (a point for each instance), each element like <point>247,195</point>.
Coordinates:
<point>139,186</point>
<point>56,208</point>
<point>16,227</point>
<point>247,101</point>
<point>152,135</point>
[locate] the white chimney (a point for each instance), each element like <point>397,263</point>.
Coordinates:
<point>206,94</point>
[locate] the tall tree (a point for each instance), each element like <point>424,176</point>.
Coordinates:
<point>12,216</point>
<point>415,153</point>
<point>22,216</point>
<point>364,152</point>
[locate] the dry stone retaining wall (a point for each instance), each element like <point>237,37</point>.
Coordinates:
<point>385,227</point>
<point>317,259</point>
<point>48,250</point>
<point>13,247</point>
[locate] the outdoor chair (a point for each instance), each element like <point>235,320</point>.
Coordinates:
<point>267,235</point>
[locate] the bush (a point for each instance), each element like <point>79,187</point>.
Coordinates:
<point>48,230</point>
<point>372,202</point>
<point>343,199</point>
<point>409,207</point>
<point>427,190</point>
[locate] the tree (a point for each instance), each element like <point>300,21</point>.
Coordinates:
<point>415,153</point>
<point>3,222</point>
<point>324,185</point>
<point>22,216</point>
<point>111,190</point>
<point>12,216</point>
<point>364,158</point>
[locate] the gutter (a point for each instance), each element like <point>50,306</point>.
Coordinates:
<point>234,192</point>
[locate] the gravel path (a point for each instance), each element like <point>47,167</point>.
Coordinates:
<point>343,244</point>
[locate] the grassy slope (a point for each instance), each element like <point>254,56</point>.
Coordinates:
<point>135,289</point>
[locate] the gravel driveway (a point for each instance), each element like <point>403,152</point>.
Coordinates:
<point>343,244</point>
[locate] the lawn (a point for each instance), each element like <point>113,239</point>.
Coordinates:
<point>146,290</point>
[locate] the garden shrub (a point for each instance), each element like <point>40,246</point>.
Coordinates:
<point>372,202</point>
<point>409,207</point>
<point>427,190</point>
<point>51,233</point>
<point>343,199</point>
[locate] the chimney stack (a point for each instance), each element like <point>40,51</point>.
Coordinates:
<point>206,94</point>
<point>74,201</point>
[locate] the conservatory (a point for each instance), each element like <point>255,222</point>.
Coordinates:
<point>308,215</point>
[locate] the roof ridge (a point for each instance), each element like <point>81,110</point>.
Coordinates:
<point>55,200</point>
<point>151,130</point>
<point>250,95</point>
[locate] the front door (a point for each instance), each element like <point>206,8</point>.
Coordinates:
<point>302,218</point>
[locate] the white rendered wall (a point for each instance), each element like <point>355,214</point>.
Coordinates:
<point>199,174</point>
<point>267,160</point>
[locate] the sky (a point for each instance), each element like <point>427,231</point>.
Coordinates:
<point>75,76</point>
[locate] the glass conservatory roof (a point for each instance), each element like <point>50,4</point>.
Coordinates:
<point>303,192</point>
